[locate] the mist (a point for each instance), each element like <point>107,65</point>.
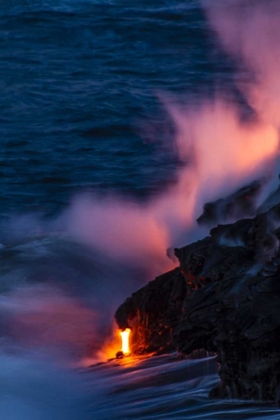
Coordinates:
<point>101,248</point>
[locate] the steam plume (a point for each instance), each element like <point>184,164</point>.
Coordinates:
<point>221,151</point>
<point>250,31</point>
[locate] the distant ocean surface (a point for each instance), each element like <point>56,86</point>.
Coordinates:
<point>84,91</point>
<point>82,86</point>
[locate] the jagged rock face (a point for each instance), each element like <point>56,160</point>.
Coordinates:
<point>239,319</point>
<point>241,203</point>
<point>153,312</point>
<point>224,297</point>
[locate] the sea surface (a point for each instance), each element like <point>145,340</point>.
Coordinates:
<point>85,90</point>
<point>81,95</point>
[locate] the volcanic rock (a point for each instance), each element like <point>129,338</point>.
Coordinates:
<point>224,297</point>
<point>239,204</point>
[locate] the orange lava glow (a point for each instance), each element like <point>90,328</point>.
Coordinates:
<point>111,346</point>
<point>125,341</point>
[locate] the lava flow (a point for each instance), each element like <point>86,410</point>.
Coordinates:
<point>125,341</point>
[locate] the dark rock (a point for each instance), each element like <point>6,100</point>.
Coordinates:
<point>119,355</point>
<point>241,203</point>
<point>153,312</point>
<point>219,391</point>
<point>225,298</point>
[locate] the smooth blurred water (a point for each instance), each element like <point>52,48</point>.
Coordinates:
<point>132,388</point>
<point>154,388</point>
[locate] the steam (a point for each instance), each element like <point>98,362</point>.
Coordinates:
<point>221,154</point>
<point>221,151</point>
<point>42,317</point>
<point>250,31</point>
<point>33,389</point>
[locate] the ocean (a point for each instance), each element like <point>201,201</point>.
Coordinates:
<point>96,185</point>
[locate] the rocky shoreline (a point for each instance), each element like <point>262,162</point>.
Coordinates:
<point>224,297</point>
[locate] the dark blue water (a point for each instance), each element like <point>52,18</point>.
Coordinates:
<point>80,86</point>
<point>83,85</point>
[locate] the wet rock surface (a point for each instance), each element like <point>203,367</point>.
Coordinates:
<point>224,297</point>
<point>239,204</point>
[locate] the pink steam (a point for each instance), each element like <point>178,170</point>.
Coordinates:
<point>221,154</point>
<point>221,151</point>
<point>250,31</point>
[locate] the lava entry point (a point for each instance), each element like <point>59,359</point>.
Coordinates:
<point>125,351</point>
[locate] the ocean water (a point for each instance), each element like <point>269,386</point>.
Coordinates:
<point>86,88</point>
<point>81,88</point>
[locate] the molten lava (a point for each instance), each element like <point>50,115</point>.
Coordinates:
<point>125,341</point>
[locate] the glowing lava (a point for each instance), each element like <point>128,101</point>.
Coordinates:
<point>125,341</point>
